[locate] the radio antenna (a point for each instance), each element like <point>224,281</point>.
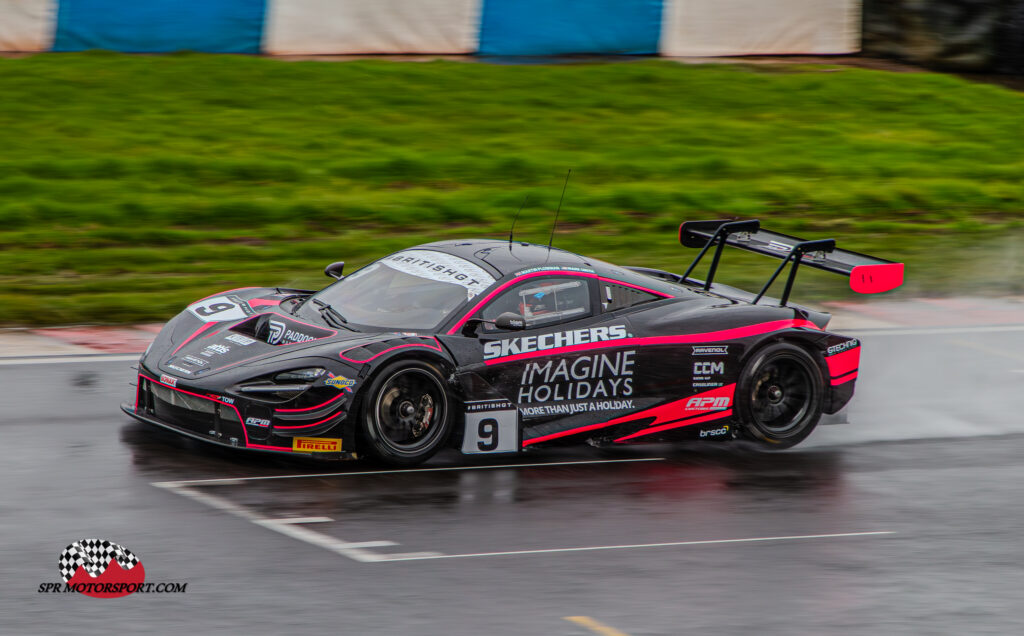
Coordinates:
<point>513,229</point>
<point>552,237</point>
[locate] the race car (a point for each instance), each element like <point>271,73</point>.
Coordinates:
<point>499,346</point>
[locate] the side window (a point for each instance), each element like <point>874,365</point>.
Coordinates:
<point>615,297</point>
<point>542,301</point>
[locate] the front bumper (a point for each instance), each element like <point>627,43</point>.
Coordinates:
<point>217,420</point>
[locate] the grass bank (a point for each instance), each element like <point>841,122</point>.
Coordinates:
<point>130,185</point>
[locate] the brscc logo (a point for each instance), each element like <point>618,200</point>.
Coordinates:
<point>101,569</point>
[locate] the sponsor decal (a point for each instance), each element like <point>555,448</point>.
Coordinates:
<point>180,369</point>
<point>779,246</point>
<point>220,309</point>
<point>199,362</point>
<point>316,444</point>
<point>603,375</point>
<point>558,339</point>
<point>168,380</point>
<point>277,330</point>
<point>488,405</point>
<point>576,407</point>
<point>104,569</point>
<point>708,368</point>
<point>718,432</point>
<point>705,373</point>
<point>708,403</point>
<point>340,382</point>
<point>281,334</point>
<point>843,346</point>
<point>441,267</point>
<point>214,350</point>
<point>239,339</point>
<point>257,421</point>
<point>713,350</point>
<point>225,400</point>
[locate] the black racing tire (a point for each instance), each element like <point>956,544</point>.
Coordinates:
<point>407,415</point>
<point>780,395</point>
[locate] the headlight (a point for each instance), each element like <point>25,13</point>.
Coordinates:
<point>309,374</point>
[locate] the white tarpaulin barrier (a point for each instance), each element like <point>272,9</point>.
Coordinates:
<point>760,27</point>
<point>296,27</point>
<point>27,25</point>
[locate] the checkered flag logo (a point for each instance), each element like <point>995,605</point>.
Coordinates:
<point>95,556</point>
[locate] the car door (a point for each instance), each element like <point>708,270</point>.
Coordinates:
<point>564,371</point>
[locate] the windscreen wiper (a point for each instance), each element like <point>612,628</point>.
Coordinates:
<point>330,314</point>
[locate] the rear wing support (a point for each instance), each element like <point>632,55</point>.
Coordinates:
<point>868,274</point>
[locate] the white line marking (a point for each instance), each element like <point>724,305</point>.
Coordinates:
<point>355,551</point>
<point>304,520</point>
<point>639,545</point>
<point>344,548</point>
<point>231,481</point>
<point>6,362</point>
<point>928,331</point>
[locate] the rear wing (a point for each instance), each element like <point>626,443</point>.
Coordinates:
<point>868,275</point>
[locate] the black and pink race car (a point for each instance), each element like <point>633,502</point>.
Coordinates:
<point>498,346</point>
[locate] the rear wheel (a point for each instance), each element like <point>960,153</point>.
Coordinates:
<point>780,395</point>
<point>406,416</point>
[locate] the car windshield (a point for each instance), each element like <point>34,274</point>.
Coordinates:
<point>414,290</point>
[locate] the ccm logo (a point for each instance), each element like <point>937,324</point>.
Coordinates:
<point>707,368</point>
<point>257,421</point>
<point>703,403</point>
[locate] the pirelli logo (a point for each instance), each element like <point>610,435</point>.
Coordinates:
<point>316,445</point>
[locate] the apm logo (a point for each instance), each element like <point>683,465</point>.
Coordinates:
<point>708,403</point>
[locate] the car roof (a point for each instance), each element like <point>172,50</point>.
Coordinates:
<point>498,256</point>
<point>507,258</point>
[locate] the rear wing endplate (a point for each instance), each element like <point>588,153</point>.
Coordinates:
<point>868,275</point>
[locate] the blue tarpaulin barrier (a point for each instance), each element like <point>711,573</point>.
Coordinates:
<point>543,27</point>
<point>158,26</point>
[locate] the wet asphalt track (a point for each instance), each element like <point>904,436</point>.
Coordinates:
<point>702,540</point>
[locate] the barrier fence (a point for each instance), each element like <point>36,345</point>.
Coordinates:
<point>485,27</point>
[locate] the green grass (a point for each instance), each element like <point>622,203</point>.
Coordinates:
<point>130,185</point>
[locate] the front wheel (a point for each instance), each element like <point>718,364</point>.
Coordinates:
<point>779,395</point>
<point>406,416</point>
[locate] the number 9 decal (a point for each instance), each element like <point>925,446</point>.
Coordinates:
<point>491,432</point>
<point>219,308</point>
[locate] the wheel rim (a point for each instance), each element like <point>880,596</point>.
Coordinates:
<point>410,410</point>
<point>782,396</point>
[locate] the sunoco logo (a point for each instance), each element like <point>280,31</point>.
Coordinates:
<point>103,569</point>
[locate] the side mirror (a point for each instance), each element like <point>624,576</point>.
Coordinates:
<point>334,270</point>
<point>510,321</point>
